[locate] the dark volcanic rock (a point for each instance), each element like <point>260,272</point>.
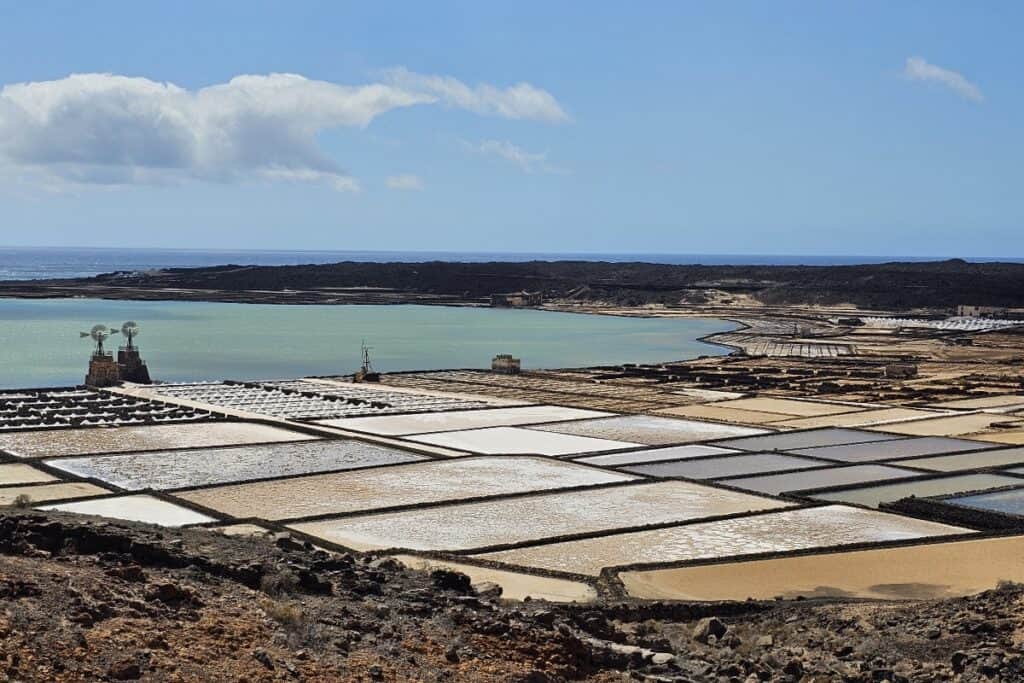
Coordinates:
<point>121,601</point>
<point>892,286</point>
<point>446,579</point>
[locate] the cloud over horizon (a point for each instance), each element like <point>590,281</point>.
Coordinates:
<point>107,129</point>
<point>529,162</point>
<point>520,101</point>
<point>919,69</point>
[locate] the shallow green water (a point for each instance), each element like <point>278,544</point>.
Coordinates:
<point>40,346</point>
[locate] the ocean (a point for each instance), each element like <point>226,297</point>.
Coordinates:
<point>184,341</point>
<point>21,263</point>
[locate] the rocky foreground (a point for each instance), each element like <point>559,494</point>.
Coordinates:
<point>83,599</point>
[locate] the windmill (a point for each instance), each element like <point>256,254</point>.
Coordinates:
<point>366,373</point>
<point>367,368</point>
<point>131,366</point>
<point>130,330</point>
<point>99,334</point>
<point>103,370</point>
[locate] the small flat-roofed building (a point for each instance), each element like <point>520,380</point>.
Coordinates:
<point>516,299</point>
<point>505,364</point>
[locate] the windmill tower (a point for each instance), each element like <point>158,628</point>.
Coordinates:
<point>130,365</point>
<point>366,373</point>
<point>103,371</point>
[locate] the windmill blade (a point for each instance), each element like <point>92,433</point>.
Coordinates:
<point>83,335</point>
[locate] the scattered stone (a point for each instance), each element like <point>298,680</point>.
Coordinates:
<point>126,670</point>
<point>446,579</point>
<point>171,594</point>
<point>488,590</point>
<point>284,541</point>
<point>132,573</point>
<point>13,588</point>
<point>387,564</point>
<point>794,668</point>
<point>844,651</point>
<point>708,627</point>
<point>261,656</point>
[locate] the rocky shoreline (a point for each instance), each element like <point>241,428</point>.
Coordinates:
<point>939,285</point>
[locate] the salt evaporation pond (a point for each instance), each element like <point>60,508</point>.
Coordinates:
<point>860,418</point>
<point>821,527</point>
<point>654,455</point>
<point>814,438</point>
<point>18,473</point>
<point>788,406</point>
<point>180,469</point>
<point>710,411</point>
<point>76,489</point>
<point>893,449</point>
<point>969,461</point>
<point>478,525</point>
<point>184,340</point>
<point>507,440</point>
<point>56,442</point>
<point>424,423</point>
<point>949,426</point>
<point>1008,502</point>
<point>514,585</point>
<point>926,571</point>
<point>776,484</point>
<point>727,466</point>
<point>137,508</point>
<point>651,431</point>
<point>428,482</point>
<point>918,488</point>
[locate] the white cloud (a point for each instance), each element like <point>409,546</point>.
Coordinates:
<point>517,155</point>
<point>519,101</point>
<point>529,162</point>
<point>918,69</point>
<point>405,182</point>
<point>108,129</point>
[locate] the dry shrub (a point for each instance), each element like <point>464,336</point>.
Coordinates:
<point>280,582</point>
<point>22,501</point>
<point>287,614</point>
<point>302,628</point>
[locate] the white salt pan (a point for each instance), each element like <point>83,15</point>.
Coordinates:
<point>136,508</point>
<point>511,440</point>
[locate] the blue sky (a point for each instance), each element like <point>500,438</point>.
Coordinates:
<point>793,128</point>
